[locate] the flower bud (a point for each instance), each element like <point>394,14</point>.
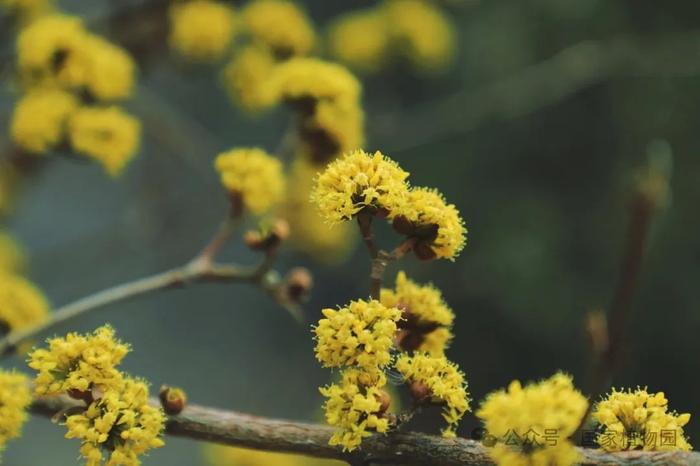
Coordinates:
<point>298,283</point>
<point>172,399</point>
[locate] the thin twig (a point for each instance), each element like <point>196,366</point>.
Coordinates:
<point>275,435</point>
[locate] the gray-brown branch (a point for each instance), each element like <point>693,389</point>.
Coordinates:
<point>275,435</point>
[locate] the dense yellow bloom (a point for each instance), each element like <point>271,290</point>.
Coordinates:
<point>423,32</point>
<point>14,400</point>
<point>426,316</point>
<point>121,425</point>
<point>79,362</point>
<point>531,425</point>
<point>108,135</point>
<point>361,334</point>
<point>245,75</point>
<point>310,234</point>
<point>435,224</point>
<point>359,181</point>
<point>109,72</point>
<point>219,455</point>
<point>201,29</point>
<point>50,50</point>
<point>280,25</point>
<point>40,118</point>
<point>360,40</point>
<point>22,304</point>
<point>639,420</point>
<point>354,408</point>
<point>254,175</point>
<point>11,254</point>
<point>444,381</point>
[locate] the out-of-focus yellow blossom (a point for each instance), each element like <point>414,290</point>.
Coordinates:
<point>219,455</point>
<point>444,382</point>
<point>360,334</point>
<point>436,225</point>
<point>245,75</point>
<point>27,10</point>
<point>107,134</point>
<point>422,31</point>
<point>201,30</point>
<point>11,254</point>
<point>332,130</point>
<point>110,70</point>
<point>426,316</point>
<point>360,40</point>
<point>519,418</point>
<point>280,25</point>
<point>359,181</point>
<point>639,420</point>
<point>40,118</point>
<point>51,50</point>
<point>22,304</point>
<point>79,363</point>
<point>14,400</point>
<point>254,175</point>
<point>326,243</point>
<point>354,407</point>
<point>119,427</point>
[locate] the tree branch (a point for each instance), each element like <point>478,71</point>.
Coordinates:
<point>243,430</point>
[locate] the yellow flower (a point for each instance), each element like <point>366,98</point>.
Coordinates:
<point>22,304</point>
<point>639,420</point>
<point>329,244</point>
<point>50,50</point>
<point>108,135</point>
<point>444,382</point>
<point>201,30</point>
<point>40,118</point>
<point>245,75</point>
<point>360,334</point>
<point>254,175</point>
<point>280,25</point>
<point>110,70</point>
<point>520,418</point>
<point>354,407</point>
<point>359,181</point>
<point>437,226</point>
<point>14,400</point>
<point>11,254</point>
<point>423,32</point>
<point>219,455</point>
<point>79,363</point>
<point>426,316</point>
<point>331,130</point>
<point>360,40</point>
<point>120,424</point>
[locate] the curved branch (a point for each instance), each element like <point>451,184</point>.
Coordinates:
<point>244,430</point>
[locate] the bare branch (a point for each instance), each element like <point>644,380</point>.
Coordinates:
<point>243,430</point>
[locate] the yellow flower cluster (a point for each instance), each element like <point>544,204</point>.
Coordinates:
<point>218,455</point>
<point>360,334</point>
<point>436,225</point>
<point>415,29</point>
<point>79,363</point>
<point>117,420</point>
<point>253,175</point>
<point>444,383</point>
<point>201,30</point>
<point>355,407</point>
<point>639,420</point>
<point>244,76</point>
<point>22,304</point>
<point>65,70</point>
<point>427,319</point>
<point>11,254</point>
<point>281,26</point>
<point>121,424</point>
<point>14,400</point>
<point>532,424</point>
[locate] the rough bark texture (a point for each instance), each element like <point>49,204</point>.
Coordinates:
<point>244,430</point>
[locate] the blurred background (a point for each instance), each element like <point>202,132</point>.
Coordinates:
<point>534,130</point>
